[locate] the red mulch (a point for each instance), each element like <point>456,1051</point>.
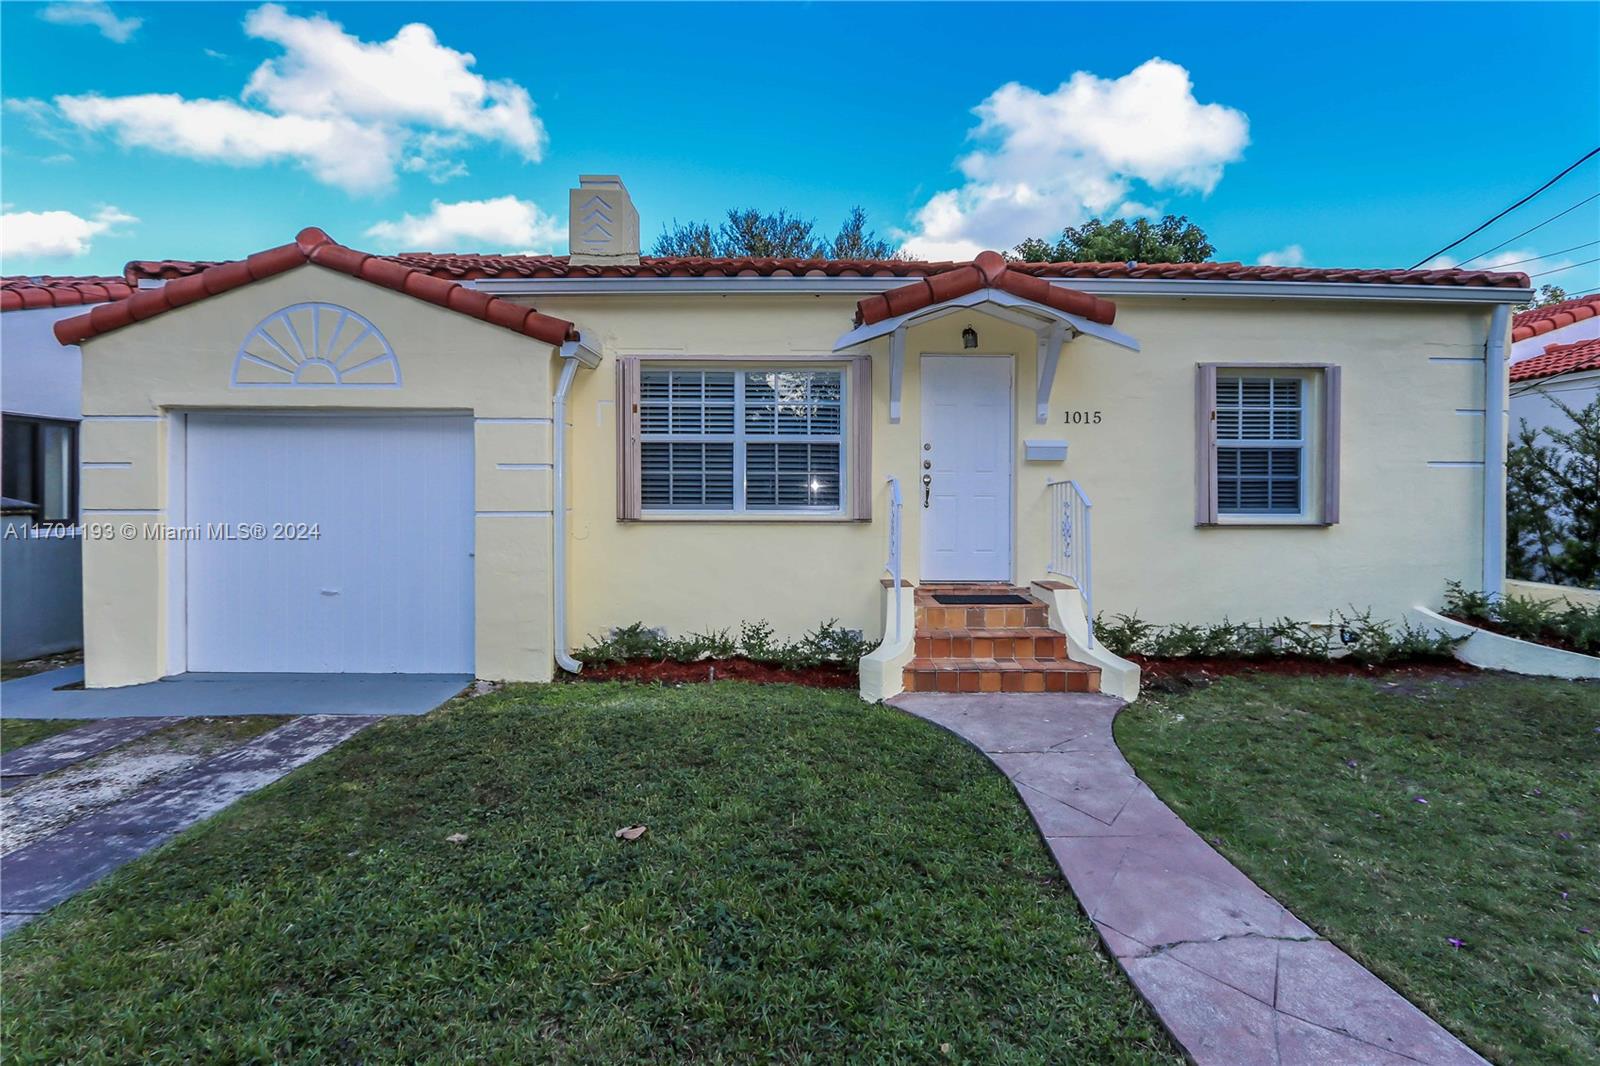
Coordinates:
<point>1187,671</point>
<point>671,673</point>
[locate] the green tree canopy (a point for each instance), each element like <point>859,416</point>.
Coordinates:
<point>1172,239</point>
<point>1547,294</point>
<point>751,232</point>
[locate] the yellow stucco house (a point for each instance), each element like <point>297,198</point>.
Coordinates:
<point>316,460</point>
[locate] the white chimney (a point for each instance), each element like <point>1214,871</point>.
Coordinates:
<point>602,227</point>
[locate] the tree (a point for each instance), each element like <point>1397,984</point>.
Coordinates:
<point>1553,501</point>
<point>1173,239</point>
<point>750,232</point>
<point>1547,294</point>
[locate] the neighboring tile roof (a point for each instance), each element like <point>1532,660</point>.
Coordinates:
<point>1559,359</point>
<point>1537,320</point>
<point>312,245</point>
<point>23,293</point>
<point>468,267</point>
<point>988,270</point>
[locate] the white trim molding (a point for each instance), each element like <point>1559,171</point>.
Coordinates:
<point>1109,287</point>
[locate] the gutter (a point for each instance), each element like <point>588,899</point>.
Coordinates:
<point>573,355</point>
<point>1495,378</point>
<point>1113,288</point>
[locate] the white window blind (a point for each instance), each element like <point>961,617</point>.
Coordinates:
<point>1260,445</point>
<point>741,440</point>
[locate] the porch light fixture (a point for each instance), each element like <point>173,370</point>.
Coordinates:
<point>969,338</point>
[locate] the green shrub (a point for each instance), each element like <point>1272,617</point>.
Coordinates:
<point>1546,622</point>
<point>827,645</point>
<point>1356,635</point>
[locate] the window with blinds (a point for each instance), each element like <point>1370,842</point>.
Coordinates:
<point>741,440</point>
<point>1260,445</point>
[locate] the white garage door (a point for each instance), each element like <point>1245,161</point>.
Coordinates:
<point>365,565</point>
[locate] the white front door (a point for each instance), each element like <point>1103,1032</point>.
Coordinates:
<point>964,483</point>
<point>333,544</point>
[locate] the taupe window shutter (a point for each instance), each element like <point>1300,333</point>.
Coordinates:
<point>1330,445</point>
<point>628,439</point>
<point>1205,445</point>
<point>860,456</point>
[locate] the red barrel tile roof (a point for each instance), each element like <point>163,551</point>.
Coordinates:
<point>467,267</point>
<point>1559,359</point>
<point>21,293</point>
<point>1537,320</point>
<point>989,270</point>
<point>312,245</point>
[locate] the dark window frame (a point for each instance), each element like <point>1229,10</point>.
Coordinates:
<point>38,425</point>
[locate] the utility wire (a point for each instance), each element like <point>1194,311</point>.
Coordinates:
<point>1547,255</point>
<point>1591,153</point>
<point>1569,266</point>
<point>1530,229</point>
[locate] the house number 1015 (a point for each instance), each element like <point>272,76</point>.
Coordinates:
<point>1083,418</point>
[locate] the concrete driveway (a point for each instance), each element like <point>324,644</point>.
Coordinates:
<point>46,695</point>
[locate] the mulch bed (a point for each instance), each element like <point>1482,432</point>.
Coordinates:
<point>661,672</point>
<point>1172,675</point>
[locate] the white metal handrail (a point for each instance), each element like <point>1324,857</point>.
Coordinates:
<point>1070,542</point>
<point>893,563</point>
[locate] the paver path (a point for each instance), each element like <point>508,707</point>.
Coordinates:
<point>41,874</point>
<point>74,745</point>
<point>1236,979</point>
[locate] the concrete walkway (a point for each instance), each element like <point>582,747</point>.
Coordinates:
<point>221,695</point>
<point>39,875</point>
<point>1235,978</point>
<point>72,746</point>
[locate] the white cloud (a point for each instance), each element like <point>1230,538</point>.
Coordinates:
<point>59,159</point>
<point>348,111</point>
<point>335,150</point>
<point>483,225</point>
<point>1288,256</point>
<point>1056,159</point>
<point>1526,260</point>
<point>94,13</point>
<point>55,233</point>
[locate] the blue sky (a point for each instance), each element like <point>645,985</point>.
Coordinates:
<point>1338,135</point>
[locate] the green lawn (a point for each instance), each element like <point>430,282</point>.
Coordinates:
<point>1314,788</point>
<point>822,880</point>
<point>15,732</point>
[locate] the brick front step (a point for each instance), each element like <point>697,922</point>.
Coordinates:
<point>1026,643</point>
<point>1000,675</point>
<point>932,616</point>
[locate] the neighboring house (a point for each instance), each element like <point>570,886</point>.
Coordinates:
<point>396,463</point>
<point>1555,356</point>
<point>40,382</point>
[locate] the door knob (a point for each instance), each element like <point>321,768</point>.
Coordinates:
<point>927,489</point>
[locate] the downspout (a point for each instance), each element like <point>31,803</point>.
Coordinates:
<point>1494,451</point>
<point>569,370</point>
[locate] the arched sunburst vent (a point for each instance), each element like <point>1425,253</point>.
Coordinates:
<point>315,346</point>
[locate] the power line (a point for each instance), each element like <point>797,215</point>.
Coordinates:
<point>1530,229</point>
<point>1569,266</point>
<point>1547,255</point>
<point>1591,153</point>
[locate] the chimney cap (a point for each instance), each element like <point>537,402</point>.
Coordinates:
<point>600,181</point>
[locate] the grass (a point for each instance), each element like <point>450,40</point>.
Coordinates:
<point>15,732</point>
<point>1314,787</point>
<point>26,667</point>
<point>822,880</point>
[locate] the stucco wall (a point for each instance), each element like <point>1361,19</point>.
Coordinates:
<point>137,378</point>
<point>1412,396</point>
<point>38,376</point>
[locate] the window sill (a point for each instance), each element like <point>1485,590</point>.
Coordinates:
<point>1263,522</point>
<point>748,518</point>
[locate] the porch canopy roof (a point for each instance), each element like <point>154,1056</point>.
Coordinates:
<point>987,285</point>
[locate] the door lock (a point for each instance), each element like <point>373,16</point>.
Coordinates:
<point>927,489</point>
